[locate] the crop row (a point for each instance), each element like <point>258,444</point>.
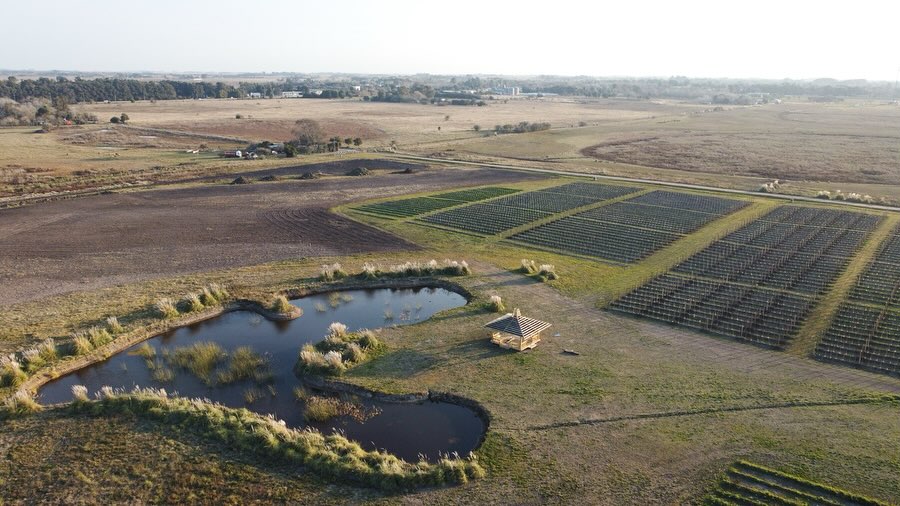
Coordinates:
<point>819,217</point>
<point>414,206</point>
<point>864,337</point>
<point>650,217</point>
<point>880,282</point>
<point>476,194</point>
<point>778,255</point>
<point>516,210</point>
<point>486,219</point>
<point>766,317</point>
<point>595,238</point>
<point>690,202</point>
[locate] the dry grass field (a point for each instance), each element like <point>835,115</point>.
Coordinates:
<point>849,146</point>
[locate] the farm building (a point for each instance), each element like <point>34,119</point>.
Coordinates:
<point>291,94</point>
<point>516,332</point>
<point>254,94</point>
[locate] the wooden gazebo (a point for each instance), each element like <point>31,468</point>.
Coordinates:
<point>516,332</point>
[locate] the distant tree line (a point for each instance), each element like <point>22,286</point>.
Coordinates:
<point>519,128</point>
<point>99,90</point>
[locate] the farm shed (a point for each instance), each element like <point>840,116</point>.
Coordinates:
<point>516,332</point>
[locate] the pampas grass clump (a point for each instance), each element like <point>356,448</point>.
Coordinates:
<point>113,325</point>
<point>166,309</point>
<point>11,373</point>
<point>191,303</point>
<point>332,272</point>
<point>528,266</point>
<point>547,272</point>
<point>281,305</point>
<point>496,304</point>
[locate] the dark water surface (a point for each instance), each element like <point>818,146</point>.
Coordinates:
<point>405,429</point>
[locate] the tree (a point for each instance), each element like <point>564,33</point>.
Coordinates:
<point>114,119</point>
<point>357,142</point>
<point>348,141</point>
<point>308,132</point>
<point>123,118</point>
<point>477,128</point>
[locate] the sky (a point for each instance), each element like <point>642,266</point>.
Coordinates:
<point>759,39</point>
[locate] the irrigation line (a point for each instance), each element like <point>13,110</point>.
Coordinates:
<point>707,411</point>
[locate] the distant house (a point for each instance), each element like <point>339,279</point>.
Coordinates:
<point>507,90</point>
<point>291,94</point>
<point>232,154</point>
<point>254,94</point>
<point>516,332</point>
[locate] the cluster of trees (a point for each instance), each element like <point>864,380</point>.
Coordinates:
<point>519,128</point>
<point>41,112</point>
<point>309,137</point>
<point>98,90</point>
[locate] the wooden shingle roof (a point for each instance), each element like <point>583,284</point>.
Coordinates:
<point>518,325</point>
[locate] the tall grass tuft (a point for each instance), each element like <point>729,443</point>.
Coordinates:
<point>337,329</point>
<point>113,325</point>
<point>165,308</point>
<point>191,303</point>
<point>370,271</point>
<point>333,456</point>
<point>321,409</point>
<point>332,272</point>
<point>528,266</point>
<point>245,364</point>
<point>496,304</point>
<point>547,272</point>
<point>335,361</point>
<point>11,373</point>
<point>80,393</point>
<point>200,359</point>
<point>281,305</point>
<point>219,292</point>
<point>81,345</point>
<point>99,336</point>
<point>22,403</point>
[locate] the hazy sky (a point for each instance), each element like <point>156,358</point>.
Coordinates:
<point>768,39</point>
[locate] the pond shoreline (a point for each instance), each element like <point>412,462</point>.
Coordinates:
<point>124,341</point>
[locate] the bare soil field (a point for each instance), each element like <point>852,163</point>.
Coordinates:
<point>105,240</point>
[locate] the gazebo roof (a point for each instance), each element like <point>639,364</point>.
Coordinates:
<point>518,325</point>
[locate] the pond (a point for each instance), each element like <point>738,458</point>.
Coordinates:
<point>407,430</point>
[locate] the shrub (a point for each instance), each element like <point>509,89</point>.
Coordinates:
<point>11,373</point>
<point>823,194</point>
<point>113,325</point>
<point>547,272</point>
<point>281,305</point>
<point>166,309</point>
<point>528,267</point>
<point>191,303</point>
<point>496,304</point>
<point>332,272</point>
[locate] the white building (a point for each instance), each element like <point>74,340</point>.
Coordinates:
<point>254,94</point>
<point>291,94</point>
